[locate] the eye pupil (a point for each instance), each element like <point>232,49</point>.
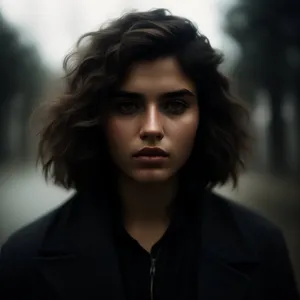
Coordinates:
<point>126,107</point>
<point>176,107</point>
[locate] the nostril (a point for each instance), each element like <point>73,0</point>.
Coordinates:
<point>151,135</point>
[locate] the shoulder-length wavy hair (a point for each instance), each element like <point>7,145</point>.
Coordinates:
<point>72,146</point>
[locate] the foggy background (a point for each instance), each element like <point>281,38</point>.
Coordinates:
<point>261,42</point>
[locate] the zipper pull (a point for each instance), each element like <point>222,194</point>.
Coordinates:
<point>152,267</point>
<point>152,274</point>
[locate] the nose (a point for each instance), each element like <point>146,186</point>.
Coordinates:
<point>152,128</point>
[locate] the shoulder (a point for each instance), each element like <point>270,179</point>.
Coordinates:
<point>256,228</point>
<point>24,244</point>
<point>27,239</point>
<point>267,242</point>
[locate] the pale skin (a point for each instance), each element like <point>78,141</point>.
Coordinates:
<point>155,107</point>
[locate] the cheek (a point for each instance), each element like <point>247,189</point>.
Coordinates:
<point>118,132</point>
<point>184,133</point>
<point>185,129</point>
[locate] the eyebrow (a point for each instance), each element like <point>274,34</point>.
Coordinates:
<point>179,93</point>
<point>172,94</point>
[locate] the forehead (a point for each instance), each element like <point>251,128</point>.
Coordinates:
<point>156,77</point>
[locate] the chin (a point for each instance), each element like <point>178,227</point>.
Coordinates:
<point>151,176</point>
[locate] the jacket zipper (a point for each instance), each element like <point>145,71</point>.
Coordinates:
<point>152,274</point>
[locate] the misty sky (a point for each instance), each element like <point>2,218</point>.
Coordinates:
<point>55,25</point>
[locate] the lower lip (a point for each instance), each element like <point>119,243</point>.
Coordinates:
<point>151,159</point>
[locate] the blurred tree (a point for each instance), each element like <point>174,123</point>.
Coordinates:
<point>291,25</point>
<point>265,30</point>
<point>21,77</point>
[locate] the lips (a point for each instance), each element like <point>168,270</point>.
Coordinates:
<point>151,152</point>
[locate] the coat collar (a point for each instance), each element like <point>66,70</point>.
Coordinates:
<point>78,258</point>
<point>227,260</point>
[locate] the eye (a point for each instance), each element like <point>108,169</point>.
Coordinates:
<point>126,107</point>
<point>175,107</point>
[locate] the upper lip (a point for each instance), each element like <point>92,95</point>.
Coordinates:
<point>151,151</point>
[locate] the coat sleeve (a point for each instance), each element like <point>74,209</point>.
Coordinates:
<point>14,276</point>
<point>18,275</point>
<point>282,283</point>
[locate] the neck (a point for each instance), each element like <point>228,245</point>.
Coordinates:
<point>147,202</point>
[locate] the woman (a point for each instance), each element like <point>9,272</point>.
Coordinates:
<point>144,130</point>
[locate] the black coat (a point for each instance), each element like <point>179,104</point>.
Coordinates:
<point>69,254</point>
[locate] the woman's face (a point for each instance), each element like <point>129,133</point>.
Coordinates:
<point>153,121</point>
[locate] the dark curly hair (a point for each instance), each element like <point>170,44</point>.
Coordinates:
<point>72,147</point>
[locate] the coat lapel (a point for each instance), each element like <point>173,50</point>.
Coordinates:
<point>78,259</point>
<point>226,262</point>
